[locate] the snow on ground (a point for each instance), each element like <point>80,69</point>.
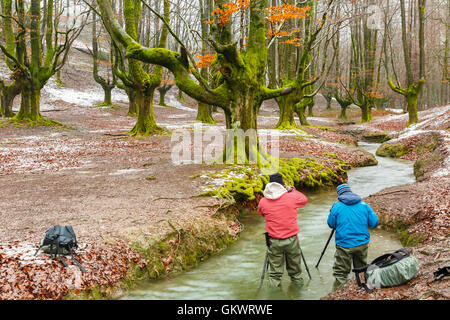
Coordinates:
<point>445,169</point>
<point>219,179</point>
<point>283,133</point>
<point>172,101</point>
<point>26,252</point>
<point>395,110</point>
<point>321,119</point>
<point>434,119</point>
<point>86,98</point>
<point>125,171</point>
<point>35,154</point>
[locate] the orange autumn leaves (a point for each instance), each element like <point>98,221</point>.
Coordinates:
<point>287,11</point>
<point>276,15</point>
<point>227,10</point>
<point>282,13</point>
<point>205,61</point>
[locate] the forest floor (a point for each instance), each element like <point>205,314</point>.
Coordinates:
<point>116,190</point>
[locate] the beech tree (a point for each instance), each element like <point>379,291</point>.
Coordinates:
<point>413,88</point>
<point>241,87</point>
<point>204,111</point>
<point>363,62</point>
<point>108,83</point>
<point>34,52</point>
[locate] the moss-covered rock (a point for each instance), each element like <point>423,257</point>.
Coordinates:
<point>376,137</point>
<point>393,150</point>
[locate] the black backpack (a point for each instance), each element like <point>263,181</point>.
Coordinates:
<point>60,240</point>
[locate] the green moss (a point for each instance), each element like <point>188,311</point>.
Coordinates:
<point>247,181</point>
<point>376,137</point>
<point>325,128</point>
<point>429,144</point>
<point>409,240</point>
<point>394,150</point>
<point>105,105</point>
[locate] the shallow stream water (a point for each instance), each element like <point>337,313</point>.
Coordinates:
<point>235,273</point>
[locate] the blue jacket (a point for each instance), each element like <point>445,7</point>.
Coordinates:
<point>351,218</point>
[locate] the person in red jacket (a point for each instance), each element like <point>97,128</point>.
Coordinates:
<point>279,208</point>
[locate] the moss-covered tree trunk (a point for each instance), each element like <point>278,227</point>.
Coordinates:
<point>146,123</point>
<point>328,99</point>
<point>286,106</point>
<point>145,83</point>
<point>132,107</point>
<point>344,104</point>
<point>162,98</point>
<point>300,109</point>
<point>30,106</point>
<point>106,84</point>
<point>7,95</point>
<point>311,105</point>
<point>107,95</point>
<point>412,90</point>
<point>366,112</point>
<point>204,113</point>
<point>163,89</point>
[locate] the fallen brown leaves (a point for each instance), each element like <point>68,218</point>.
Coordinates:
<point>352,156</point>
<point>46,278</point>
<point>331,135</point>
<point>40,154</point>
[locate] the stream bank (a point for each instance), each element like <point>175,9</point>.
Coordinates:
<point>235,272</point>
<point>417,212</point>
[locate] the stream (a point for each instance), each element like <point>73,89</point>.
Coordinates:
<point>235,273</point>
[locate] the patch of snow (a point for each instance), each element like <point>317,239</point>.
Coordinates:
<point>221,178</point>
<point>395,110</point>
<point>85,98</point>
<point>445,170</point>
<point>26,252</point>
<point>177,116</point>
<point>125,171</point>
<point>283,133</point>
<point>320,119</point>
<point>172,101</point>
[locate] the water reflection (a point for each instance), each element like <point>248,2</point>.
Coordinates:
<point>236,273</point>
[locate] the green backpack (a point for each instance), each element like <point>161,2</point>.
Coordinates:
<point>388,270</point>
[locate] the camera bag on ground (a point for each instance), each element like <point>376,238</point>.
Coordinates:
<point>60,240</point>
<point>388,270</point>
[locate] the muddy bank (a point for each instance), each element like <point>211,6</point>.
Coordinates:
<point>419,212</point>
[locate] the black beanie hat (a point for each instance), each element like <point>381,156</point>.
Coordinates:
<point>276,177</point>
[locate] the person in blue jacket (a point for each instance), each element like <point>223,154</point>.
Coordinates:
<point>350,217</point>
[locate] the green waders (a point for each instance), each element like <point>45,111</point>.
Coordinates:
<point>283,251</point>
<point>343,259</point>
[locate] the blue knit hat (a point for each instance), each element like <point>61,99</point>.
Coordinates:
<point>343,188</point>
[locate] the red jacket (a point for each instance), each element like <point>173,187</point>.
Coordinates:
<point>279,208</point>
